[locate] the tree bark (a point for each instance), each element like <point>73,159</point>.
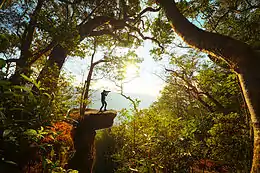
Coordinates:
<point>85,93</point>
<point>240,57</point>
<point>49,75</point>
<point>23,64</point>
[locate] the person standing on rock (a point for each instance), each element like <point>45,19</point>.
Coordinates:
<point>103,100</point>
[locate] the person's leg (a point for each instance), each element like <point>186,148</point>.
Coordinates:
<point>105,105</point>
<point>101,106</point>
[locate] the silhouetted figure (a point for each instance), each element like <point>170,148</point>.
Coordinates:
<point>103,99</point>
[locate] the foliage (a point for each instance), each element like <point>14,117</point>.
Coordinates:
<point>104,143</point>
<point>200,115</point>
<point>179,128</point>
<point>25,121</point>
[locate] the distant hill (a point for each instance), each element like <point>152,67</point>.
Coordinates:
<point>117,102</point>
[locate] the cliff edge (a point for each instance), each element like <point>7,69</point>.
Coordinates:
<point>84,136</point>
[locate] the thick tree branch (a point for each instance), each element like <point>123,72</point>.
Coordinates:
<point>100,61</point>
<point>147,9</point>
<point>232,51</point>
<point>40,53</point>
<point>219,105</point>
<point>94,52</point>
<point>88,27</point>
<point>91,13</point>
<point>19,23</point>
<point>210,109</point>
<point>29,31</point>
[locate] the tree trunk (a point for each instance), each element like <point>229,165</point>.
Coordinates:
<point>240,57</point>
<point>23,65</point>
<point>85,93</point>
<point>49,75</point>
<point>59,54</point>
<point>250,83</point>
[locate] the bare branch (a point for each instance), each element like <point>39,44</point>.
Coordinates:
<point>219,19</point>
<point>128,98</point>
<point>138,39</point>
<point>160,77</point>
<point>197,93</point>
<point>100,61</point>
<point>148,9</point>
<point>93,54</point>
<point>181,46</point>
<point>11,60</point>
<point>145,37</point>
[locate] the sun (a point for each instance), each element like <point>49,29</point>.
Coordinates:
<point>131,71</point>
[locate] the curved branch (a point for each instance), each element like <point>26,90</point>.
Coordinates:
<point>148,9</point>
<point>197,94</point>
<point>234,52</point>
<point>145,37</point>
<point>131,100</point>
<point>87,29</point>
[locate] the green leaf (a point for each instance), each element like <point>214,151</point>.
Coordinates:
<point>30,132</point>
<point>2,63</point>
<point>7,132</point>
<point>27,78</point>
<point>48,95</point>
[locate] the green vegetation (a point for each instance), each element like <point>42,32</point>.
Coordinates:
<point>185,126</point>
<point>207,117</point>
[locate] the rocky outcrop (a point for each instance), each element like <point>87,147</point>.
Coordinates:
<point>84,135</point>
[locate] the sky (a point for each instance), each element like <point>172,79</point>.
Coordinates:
<point>144,81</point>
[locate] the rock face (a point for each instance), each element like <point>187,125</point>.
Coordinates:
<point>84,135</point>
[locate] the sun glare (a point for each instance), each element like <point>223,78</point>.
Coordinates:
<point>131,71</point>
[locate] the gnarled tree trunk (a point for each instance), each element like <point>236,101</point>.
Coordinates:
<point>49,75</point>
<point>240,57</point>
<point>23,64</point>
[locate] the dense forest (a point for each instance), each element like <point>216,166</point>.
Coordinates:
<point>206,119</point>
